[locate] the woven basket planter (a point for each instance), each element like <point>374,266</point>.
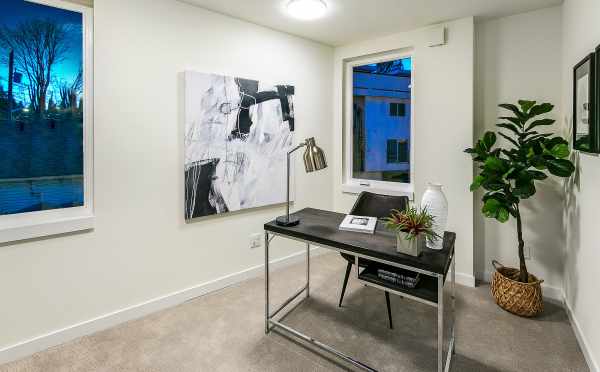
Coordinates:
<point>523,299</point>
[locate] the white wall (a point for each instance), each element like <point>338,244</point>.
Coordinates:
<point>443,115</point>
<point>142,248</point>
<point>519,57</point>
<point>581,35</point>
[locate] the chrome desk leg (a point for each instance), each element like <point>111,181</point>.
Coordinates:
<point>454,304</point>
<point>307,270</point>
<point>440,308</point>
<point>266,282</point>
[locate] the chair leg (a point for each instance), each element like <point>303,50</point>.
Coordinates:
<point>389,309</point>
<point>348,268</point>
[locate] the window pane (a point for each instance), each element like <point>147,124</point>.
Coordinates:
<point>401,109</point>
<point>403,153</point>
<point>392,151</point>
<point>41,107</point>
<point>381,121</point>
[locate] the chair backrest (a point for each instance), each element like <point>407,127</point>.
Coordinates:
<point>377,205</point>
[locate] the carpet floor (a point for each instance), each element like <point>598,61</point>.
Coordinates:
<point>224,331</point>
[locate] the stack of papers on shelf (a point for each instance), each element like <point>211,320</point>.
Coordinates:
<point>408,280</point>
<point>361,224</point>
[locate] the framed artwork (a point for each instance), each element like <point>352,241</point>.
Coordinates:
<point>237,135</point>
<point>585,125</point>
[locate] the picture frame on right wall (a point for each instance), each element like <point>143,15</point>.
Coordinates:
<point>585,124</point>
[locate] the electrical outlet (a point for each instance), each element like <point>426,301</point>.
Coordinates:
<point>256,240</point>
<point>527,252</point>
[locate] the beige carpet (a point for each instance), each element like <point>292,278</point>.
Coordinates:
<point>224,331</point>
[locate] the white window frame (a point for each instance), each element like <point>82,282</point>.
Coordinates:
<point>31,225</point>
<point>356,185</point>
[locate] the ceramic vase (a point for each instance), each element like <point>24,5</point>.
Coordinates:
<point>411,246</point>
<point>437,205</point>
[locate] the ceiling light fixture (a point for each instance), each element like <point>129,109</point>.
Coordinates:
<point>307,9</point>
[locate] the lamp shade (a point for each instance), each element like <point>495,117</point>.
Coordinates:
<point>314,157</point>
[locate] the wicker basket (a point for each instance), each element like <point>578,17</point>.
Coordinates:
<point>523,299</point>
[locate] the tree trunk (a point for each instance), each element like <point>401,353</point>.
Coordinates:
<point>523,274</point>
<point>42,103</point>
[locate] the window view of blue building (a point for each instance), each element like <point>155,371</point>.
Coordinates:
<point>41,107</point>
<point>382,121</point>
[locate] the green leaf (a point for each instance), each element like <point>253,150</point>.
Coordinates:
<point>512,154</point>
<point>510,127</point>
<point>550,143</point>
<point>502,215</point>
<point>538,162</point>
<point>476,183</point>
<point>560,167</point>
<point>526,105</point>
<point>537,175</point>
<point>540,109</point>
<point>515,110</point>
<point>537,123</point>
<point>493,184</point>
<point>524,188</point>
<point>538,136</point>
<point>495,208</point>
<point>509,139</point>
<point>490,207</point>
<point>470,151</point>
<point>560,150</point>
<point>494,164</point>
<point>489,139</point>
<point>527,134</point>
<point>513,120</point>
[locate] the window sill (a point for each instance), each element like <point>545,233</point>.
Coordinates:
<point>46,223</point>
<point>405,190</point>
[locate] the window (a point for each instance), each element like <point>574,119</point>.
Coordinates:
<point>397,109</point>
<point>379,128</point>
<point>45,118</point>
<point>397,151</point>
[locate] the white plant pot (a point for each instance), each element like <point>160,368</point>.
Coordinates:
<point>437,205</point>
<point>412,246</point>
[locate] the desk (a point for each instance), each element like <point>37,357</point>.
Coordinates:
<point>320,227</point>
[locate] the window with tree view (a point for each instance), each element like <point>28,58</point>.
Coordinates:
<point>41,107</point>
<point>381,127</point>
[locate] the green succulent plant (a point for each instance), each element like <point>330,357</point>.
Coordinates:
<point>508,175</point>
<point>413,222</point>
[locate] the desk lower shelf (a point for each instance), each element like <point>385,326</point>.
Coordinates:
<point>427,289</point>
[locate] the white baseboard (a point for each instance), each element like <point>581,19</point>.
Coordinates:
<point>60,336</point>
<point>550,293</point>
<point>583,343</point>
<point>467,280</point>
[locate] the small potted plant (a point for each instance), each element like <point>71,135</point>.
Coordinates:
<point>412,227</point>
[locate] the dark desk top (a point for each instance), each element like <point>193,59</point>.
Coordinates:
<point>321,227</point>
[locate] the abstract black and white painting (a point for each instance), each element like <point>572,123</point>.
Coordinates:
<point>237,135</point>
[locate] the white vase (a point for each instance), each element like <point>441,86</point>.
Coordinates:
<point>437,205</point>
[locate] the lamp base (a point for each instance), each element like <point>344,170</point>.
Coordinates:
<point>284,221</point>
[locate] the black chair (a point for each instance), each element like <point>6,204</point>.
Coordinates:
<point>373,205</point>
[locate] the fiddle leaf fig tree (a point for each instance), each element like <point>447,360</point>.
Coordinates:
<point>508,175</point>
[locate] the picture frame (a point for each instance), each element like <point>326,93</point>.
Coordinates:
<point>586,134</point>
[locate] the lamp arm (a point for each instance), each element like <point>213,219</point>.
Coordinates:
<point>287,190</point>
<point>303,144</point>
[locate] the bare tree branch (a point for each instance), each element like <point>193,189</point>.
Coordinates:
<point>38,45</point>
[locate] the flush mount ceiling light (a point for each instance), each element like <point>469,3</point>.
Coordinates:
<point>307,9</point>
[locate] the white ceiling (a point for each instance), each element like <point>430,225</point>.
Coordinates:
<point>348,21</point>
